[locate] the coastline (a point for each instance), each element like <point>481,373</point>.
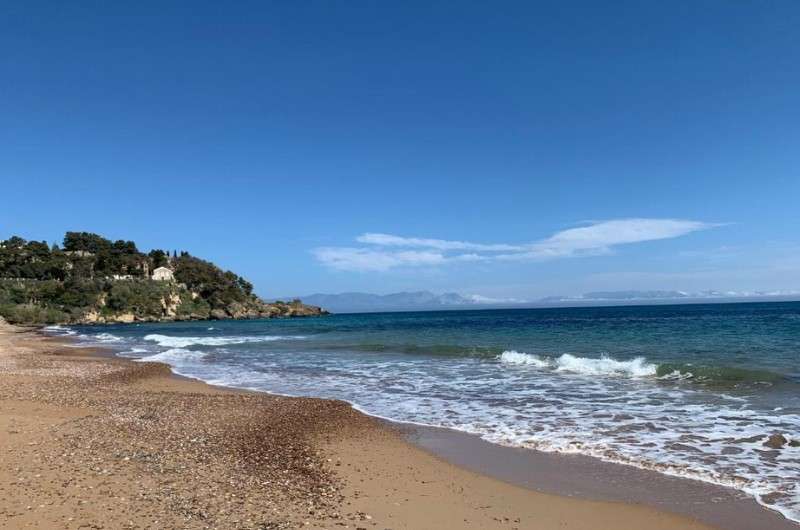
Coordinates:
<point>586,477</point>
<point>345,468</point>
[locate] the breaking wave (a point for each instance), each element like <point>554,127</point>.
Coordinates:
<point>182,342</point>
<point>515,357</point>
<point>174,356</point>
<point>639,367</point>
<point>106,337</point>
<point>59,330</point>
<point>603,365</point>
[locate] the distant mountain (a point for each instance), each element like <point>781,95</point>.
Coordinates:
<point>403,301</point>
<point>425,300</point>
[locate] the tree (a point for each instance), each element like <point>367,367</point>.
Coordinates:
<point>85,242</point>
<point>159,258</point>
<point>125,247</point>
<point>246,286</point>
<point>14,242</point>
<point>217,287</point>
<point>50,284</point>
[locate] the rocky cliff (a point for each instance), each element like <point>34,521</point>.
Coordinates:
<point>94,280</point>
<point>172,307</point>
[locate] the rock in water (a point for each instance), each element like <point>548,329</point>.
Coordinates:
<point>776,441</point>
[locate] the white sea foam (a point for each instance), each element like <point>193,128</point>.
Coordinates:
<point>59,330</point>
<point>104,337</point>
<point>135,352</point>
<point>676,375</point>
<point>615,410</point>
<point>604,365</point>
<point>174,356</point>
<point>182,342</point>
<point>515,357</point>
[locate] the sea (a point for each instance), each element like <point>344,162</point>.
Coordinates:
<point>686,390</point>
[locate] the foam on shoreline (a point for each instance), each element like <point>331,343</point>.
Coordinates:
<point>631,412</point>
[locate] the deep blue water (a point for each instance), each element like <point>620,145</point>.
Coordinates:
<point>690,390</point>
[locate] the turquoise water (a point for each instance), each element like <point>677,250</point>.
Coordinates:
<point>691,390</point>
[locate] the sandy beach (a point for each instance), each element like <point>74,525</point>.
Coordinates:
<point>94,442</point>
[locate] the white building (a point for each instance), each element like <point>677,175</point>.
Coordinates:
<point>163,274</point>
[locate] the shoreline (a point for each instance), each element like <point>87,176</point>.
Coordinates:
<point>572,475</point>
<point>566,475</point>
<point>396,480</point>
<point>589,478</point>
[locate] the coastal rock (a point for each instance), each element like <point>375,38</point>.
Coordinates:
<point>124,318</point>
<point>170,304</point>
<point>218,314</point>
<point>776,441</point>
<point>238,311</point>
<point>302,310</point>
<point>92,317</point>
<point>172,308</point>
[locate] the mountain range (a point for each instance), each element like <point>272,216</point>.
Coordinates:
<point>356,302</point>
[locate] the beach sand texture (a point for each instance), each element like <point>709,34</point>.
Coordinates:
<point>93,442</point>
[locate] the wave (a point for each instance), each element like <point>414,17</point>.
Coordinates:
<point>639,367</point>
<point>182,342</point>
<point>102,337</point>
<point>515,357</point>
<point>59,330</point>
<point>174,356</point>
<point>604,365</point>
<point>135,352</point>
<point>107,337</point>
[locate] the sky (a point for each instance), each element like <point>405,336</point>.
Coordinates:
<point>509,150</point>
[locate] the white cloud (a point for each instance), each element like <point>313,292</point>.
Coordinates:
<point>606,234</point>
<point>364,259</point>
<point>389,240</point>
<point>597,238</point>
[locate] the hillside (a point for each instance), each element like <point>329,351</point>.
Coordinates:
<point>91,279</point>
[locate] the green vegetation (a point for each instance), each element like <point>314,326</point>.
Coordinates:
<point>92,279</point>
<point>212,284</point>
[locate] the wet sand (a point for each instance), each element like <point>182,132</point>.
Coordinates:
<point>93,442</point>
<point>589,478</point>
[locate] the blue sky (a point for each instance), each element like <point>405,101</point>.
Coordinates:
<point>321,146</point>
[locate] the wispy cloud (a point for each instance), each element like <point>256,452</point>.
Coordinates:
<point>366,259</point>
<point>600,237</point>
<point>385,251</point>
<point>388,240</point>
